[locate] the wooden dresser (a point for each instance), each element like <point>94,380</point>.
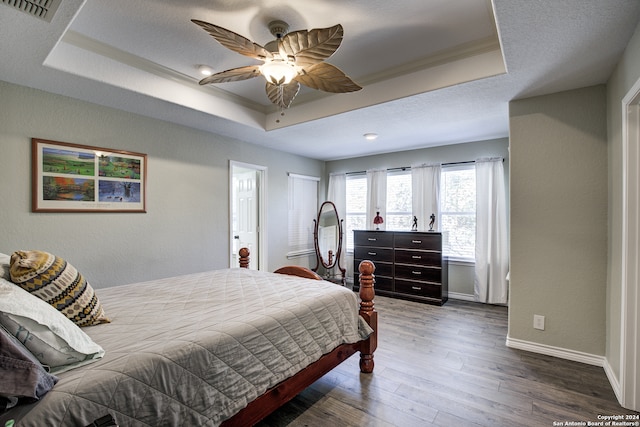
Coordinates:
<point>409,264</point>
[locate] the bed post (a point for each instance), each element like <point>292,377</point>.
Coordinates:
<point>368,312</point>
<point>244,257</point>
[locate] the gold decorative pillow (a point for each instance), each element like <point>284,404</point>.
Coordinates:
<point>57,282</point>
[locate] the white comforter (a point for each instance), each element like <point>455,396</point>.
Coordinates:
<point>194,350</point>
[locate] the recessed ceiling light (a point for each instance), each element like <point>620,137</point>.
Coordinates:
<point>205,70</point>
<point>370,136</point>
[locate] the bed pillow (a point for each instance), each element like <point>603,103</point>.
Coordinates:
<point>57,282</point>
<point>4,266</point>
<point>52,338</point>
<point>24,379</point>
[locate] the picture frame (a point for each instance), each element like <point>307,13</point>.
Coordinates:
<point>70,177</point>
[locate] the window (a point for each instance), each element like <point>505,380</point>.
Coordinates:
<point>303,209</point>
<point>457,207</point>
<point>399,200</point>
<point>458,210</point>
<point>356,207</point>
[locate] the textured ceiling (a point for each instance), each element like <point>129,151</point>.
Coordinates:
<point>433,72</point>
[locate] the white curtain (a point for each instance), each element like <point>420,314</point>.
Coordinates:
<point>492,252</point>
<point>303,208</point>
<point>376,197</point>
<point>337,193</point>
<point>425,191</point>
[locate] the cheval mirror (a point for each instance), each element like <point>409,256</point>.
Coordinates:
<point>327,237</point>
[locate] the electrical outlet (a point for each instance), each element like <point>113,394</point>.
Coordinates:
<point>538,322</point>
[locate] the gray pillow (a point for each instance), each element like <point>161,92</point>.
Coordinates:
<point>24,379</point>
<point>47,333</point>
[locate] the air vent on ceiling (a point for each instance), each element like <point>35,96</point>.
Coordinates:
<point>43,9</point>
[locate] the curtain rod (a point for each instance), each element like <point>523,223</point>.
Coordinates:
<point>403,168</point>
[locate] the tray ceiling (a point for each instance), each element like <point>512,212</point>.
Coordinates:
<point>433,72</point>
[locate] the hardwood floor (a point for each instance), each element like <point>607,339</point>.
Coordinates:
<point>449,366</point>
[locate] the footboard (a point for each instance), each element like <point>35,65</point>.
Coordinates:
<point>288,389</point>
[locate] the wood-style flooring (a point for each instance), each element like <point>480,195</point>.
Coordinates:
<point>449,366</point>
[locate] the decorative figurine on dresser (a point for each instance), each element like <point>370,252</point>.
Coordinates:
<point>378,220</point>
<point>409,264</point>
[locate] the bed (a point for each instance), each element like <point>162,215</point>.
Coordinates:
<point>225,347</point>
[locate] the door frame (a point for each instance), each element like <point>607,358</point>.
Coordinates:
<point>261,256</point>
<point>630,293</point>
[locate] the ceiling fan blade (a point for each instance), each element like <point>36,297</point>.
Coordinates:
<point>311,47</point>
<point>328,78</point>
<point>282,95</point>
<point>234,41</point>
<point>232,75</point>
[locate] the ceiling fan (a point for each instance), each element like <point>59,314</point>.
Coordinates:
<point>291,59</point>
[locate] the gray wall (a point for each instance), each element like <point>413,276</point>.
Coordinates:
<point>460,276</point>
<point>558,218</point>
<point>558,148</point>
<point>186,227</point>
<point>623,78</point>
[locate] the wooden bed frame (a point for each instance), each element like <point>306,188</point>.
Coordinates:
<point>277,396</point>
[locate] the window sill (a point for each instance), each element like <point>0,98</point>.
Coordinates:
<point>300,254</point>
<point>462,261</point>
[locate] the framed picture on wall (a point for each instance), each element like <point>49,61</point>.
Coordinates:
<point>79,178</point>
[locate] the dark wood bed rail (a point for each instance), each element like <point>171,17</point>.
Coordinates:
<point>280,394</point>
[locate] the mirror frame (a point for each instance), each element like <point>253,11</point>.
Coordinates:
<point>319,259</point>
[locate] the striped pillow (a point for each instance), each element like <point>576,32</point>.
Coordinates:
<point>57,282</point>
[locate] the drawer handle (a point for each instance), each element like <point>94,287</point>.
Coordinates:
<point>372,253</point>
<point>417,273</point>
<point>416,256</point>
<point>372,239</point>
<point>416,241</point>
<point>416,288</point>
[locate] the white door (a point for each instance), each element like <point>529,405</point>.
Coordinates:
<point>246,213</point>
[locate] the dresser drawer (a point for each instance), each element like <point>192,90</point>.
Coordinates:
<point>382,268</point>
<point>381,283</point>
<point>424,241</point>
<point>373,238</point>
<point>414,272</point>
<point>430,290</point>
<point>373,254</point>
<point>406,256</point>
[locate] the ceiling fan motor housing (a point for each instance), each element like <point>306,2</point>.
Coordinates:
<point>278,28</point>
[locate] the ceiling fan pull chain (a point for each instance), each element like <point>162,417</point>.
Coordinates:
<point>281,94</point>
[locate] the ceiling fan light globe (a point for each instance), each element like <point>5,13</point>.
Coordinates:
<point>279,71</point>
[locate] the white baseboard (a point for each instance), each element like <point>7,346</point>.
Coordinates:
<point>562,353</point>
<point>463,297</point>
<point>613,380</point>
